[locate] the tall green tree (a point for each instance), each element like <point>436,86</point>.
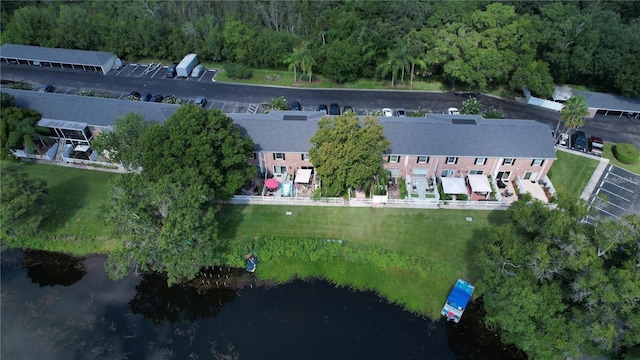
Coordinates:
<point>24,204</point>
<point>557,287</point>
<point>122,143</point>
<point>19,130</point>
<point>391,65</point>
<point>166,213</point>
<point>347,153</point>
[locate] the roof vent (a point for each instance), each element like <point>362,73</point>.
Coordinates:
<point>463,121</point>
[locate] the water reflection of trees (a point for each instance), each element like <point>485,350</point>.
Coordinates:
<point>470,339</point>
<point>157,302</point>
<point>50,269</point>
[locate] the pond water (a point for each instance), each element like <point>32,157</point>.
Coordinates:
<point>59,307</point>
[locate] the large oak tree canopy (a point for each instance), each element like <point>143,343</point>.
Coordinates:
<point>165,212</point>
<point>346,153</point>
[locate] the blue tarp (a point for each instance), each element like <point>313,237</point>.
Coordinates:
<point>460,294</point>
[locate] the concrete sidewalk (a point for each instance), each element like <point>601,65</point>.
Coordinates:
<point>595,178</point>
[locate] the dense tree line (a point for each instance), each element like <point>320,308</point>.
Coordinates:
<point>475,44</point>
<point>559,288</point>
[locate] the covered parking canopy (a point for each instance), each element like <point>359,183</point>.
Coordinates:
<point>610,104</point>
<point>479,184</point>
<point>451,185</point>
<point>64,58</point>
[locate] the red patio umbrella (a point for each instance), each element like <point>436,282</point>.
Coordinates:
<point>271,183</point>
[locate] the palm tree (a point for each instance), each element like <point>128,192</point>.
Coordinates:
<point>294,61</point>
<point>572,114</point>
<point>391,65</point>
<point>414,60</point>
<point>21,130</point>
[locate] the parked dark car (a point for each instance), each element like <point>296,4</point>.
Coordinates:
<point>579,141</point>
<point>135,94</point>
<point>323,107</point>
<point>334,109</point>
<point>47,88</point>
<point>171,70</point>
<point>145,96</point>
<point>156,98</point>
<point>200,101</point>
<point>401,112</point>
<point>295,106</point>
<point>347,108</point>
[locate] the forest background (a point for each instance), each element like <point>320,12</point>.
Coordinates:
<point>463,44</point>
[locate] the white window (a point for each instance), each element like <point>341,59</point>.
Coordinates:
<point>278,156</point>
<point>508,161</point>
<point>304,156</point>
<point>481,161</point>
<point>277,169</point>
<point>476,172</point>
<point>452,160</point>
<point>537,162</point>
<point>423,159</point>
<point>394,172</point>
<point>394,158</point>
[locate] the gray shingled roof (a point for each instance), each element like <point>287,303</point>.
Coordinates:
<point>85,109</point>
<point>66,56</point>
<point>435,135</point>
<point>613,102</point>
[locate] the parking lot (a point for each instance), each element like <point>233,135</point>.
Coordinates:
<point>616,194</point>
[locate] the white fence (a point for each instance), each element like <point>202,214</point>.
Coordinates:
<point>391,203</point>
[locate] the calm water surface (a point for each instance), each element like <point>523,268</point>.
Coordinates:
<point>58,307</point>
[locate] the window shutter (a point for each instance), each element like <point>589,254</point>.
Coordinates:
<point>455,162</point>
<point>282,156</point>
<point>274,156</point>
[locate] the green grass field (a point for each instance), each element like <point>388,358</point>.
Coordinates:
<point>443,238</point>
<point>77,196</point>
<point>571,173</point>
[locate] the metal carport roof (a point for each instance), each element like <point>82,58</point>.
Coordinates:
<point>100,59</point>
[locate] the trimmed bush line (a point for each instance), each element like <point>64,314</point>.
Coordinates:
<point>626,153</point>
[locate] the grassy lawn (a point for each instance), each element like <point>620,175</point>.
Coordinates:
<point>77,196</point>
<point>571,173</point>
<point>634,168</point>
<point>443,238</point>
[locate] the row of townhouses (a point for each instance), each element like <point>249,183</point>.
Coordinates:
<point>436,147</point>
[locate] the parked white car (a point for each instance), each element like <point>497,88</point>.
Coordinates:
<point>453,111</point>
<point>197,71</point>
<point>387,112</point>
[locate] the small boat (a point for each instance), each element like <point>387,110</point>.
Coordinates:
<point>457,300</point>
<point>252,263</point>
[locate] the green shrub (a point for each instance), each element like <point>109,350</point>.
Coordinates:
<point>237,71</point>
<point>462,197</point>
<point>403,189</point>
<point>625,153</point>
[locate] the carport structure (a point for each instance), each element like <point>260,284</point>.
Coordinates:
<point>63,58</point>
<point>610,104</point>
